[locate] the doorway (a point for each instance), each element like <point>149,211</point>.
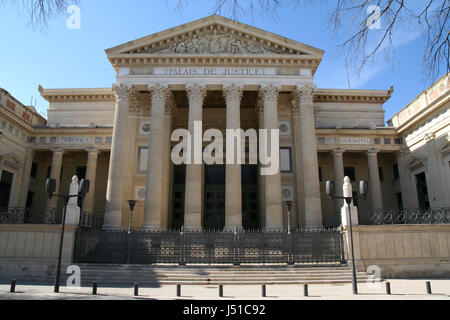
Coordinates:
<point>214,197</point>
<point>6,180</point>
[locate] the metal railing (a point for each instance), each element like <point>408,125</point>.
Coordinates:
<point>27,216</point>
<point>317,245</point>
<point>410,216</point>
<point>15,215</point>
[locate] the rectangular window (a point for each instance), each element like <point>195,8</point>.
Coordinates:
<point>350,172</point>
<point>286,160</point>
<point>33,170</point>
<point>377,141</point>
<point>398,141</point>
<point>396,172</point>
<point>320,174</point>
<point>399,200</point>
<point>422,191</point>
<point>387,141</point>
<point>380,173</point>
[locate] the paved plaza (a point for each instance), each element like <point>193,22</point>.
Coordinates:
<point>400,290</point>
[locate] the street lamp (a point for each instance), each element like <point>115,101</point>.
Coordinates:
<point>50,187</point>
<point>131,204</point>
<point>348,197</point>
<point>289,206</point>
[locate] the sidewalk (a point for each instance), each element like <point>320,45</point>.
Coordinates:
<point>401,290</point>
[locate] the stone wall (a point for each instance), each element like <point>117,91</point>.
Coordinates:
<point>404,251</point>
<point>30,252</point>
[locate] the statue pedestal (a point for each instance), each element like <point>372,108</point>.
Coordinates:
<point>72,208</point>
<point>345,217</point>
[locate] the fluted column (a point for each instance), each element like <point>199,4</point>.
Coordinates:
<point>338,165</point>
<point>23,192</point>
<point>233,188</point>
<point>374,179</point>
<point>166,161</point>
<point>273,206</point>
<point>298,161</point>
<point>130,161</point>
<point>153,190</point>
<point>311,186</point>
<point>55,173</point>
<point>193,196</point>
<point>114,191</point>
<point>261,178</point>
<point>91,172</point>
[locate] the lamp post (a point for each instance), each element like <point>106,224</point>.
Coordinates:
<point>131,204</point>
<point>289,206</point>
<point>348,197</point>
<point>50,187</point>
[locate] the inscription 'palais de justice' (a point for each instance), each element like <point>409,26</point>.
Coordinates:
<point>215,71</point>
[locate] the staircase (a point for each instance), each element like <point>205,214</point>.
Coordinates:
<point>107,274</point>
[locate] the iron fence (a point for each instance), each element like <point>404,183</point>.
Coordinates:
<point>410,216</point>
<point>27,216</point>
<point>316,245</point>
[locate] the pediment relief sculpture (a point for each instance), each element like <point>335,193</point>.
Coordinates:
<point>213,42</point>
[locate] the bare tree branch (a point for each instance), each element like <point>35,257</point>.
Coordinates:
<point>363,43</point>
<point>40,12</point>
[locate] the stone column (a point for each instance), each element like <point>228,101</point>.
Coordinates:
<point>273,206</point>
<point>194,172</point>
<point>91,172</point>
<point>114,199</point>
<point>374,179</point>
<point>311,184</point>
<point>338,164</point>
<point>167,162</point>
<point>233,188</point>
<point>154,183</point>
<point>55,173</point>
<point>23,192</point>
<point>261,178</point>
<point>130,161</point>
<point>298,162</point>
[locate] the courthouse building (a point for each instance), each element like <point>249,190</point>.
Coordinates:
<point>227,75</point>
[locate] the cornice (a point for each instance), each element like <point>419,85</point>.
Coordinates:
<point>143,59</point>
<point>352,96</point>
<point>70,95</point>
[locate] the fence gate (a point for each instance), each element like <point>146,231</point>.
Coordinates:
<point>210,248</point>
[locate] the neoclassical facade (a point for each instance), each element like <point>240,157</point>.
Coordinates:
<point>227,75</point>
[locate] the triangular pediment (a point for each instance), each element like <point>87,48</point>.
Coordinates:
<point>212,36</point>
<point>416,162</point>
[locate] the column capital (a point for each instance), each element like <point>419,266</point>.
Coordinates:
<point>372,152</point>
<point>93,151</point>
<point>305,93</point>
<point>196,91</point>
<point>158,92</point>
<point>269,92</point>
<point>233,92</point>
<point>57,150</point>
<point>338,151</point>
<point>123,92</point>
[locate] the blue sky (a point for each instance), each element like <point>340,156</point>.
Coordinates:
<point>64,58</point>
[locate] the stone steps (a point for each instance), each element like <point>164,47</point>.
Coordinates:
<point>226,275</point>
